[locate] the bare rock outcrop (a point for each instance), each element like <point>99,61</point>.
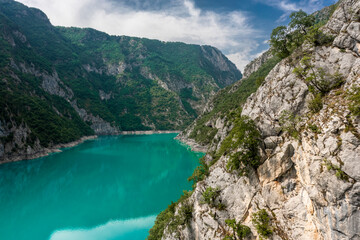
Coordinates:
<point>256,63</point>
<point>17,144</point>
<point>99,125</point>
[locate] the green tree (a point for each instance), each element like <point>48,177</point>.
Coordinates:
<point>318,79</point>
<point>288,122</point>
<point>301,21</point>
<point>244,138</point>
<point>200,172</point>
<point>259,81</point>
<point>279,41</point>
<point>317,37</point>
<point>285,39</point>
<point>185,213</point>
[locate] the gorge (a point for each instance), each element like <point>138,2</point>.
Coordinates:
<point>280,146</point>
<point>60,84</point>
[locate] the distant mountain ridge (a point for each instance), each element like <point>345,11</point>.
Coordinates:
<point>59,84</point>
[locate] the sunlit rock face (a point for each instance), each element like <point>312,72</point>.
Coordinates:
<point>309,185</point>
<point>256,63</point>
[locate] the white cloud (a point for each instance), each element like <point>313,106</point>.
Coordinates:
<point>179,21</point>
<point>242,58</point>
<point>288,6</point>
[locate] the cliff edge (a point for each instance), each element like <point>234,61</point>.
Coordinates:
<point>305,180</point>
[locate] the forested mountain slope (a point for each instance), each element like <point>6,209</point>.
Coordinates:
<point>59,84</point>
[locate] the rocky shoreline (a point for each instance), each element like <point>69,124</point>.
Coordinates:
<point>192,144</point>
<point>47,151</point>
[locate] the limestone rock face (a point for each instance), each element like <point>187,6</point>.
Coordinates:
<point>308,184</point>
<point>54,86</point>
<point>99,125</point>
<point>256,63</point>
<point>220,63</point>
<point>282,91</point>
<point>18,146</point>
<point>51,83</point>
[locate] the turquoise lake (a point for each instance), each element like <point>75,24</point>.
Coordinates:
<point>108,188</point>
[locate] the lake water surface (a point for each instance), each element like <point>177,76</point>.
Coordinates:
<point>108,188</point>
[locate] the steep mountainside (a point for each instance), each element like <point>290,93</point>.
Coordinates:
<point>254,65</point>
<point>59,84</point>
<point>207,129</point>
<point>286,165</point>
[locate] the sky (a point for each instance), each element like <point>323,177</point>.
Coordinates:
<point>239,28</point>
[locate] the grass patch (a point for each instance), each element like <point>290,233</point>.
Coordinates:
<point>262,223</point>
<point>315,129</point>
<point>354,97</point>
<point>288,122</point>
<point>340,174</point>
<point>315,104</point>
<point>239,231</point>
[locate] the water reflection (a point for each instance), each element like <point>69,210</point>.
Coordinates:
<point>119,230</point>
<point>124,177</point>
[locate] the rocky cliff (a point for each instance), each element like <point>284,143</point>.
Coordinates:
<point>254,65</point>
<point>59,84</point>
<point>305,179</point>
<point>207,130</point>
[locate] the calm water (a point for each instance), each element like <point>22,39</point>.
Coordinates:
<point>109,188</point>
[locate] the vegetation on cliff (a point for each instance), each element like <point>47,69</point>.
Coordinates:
<point>168,220</point>
<point>228,100</point>
<point>241,143</point>
<point>64,83</point>
<point>284,40</point>
<point>241,146</point>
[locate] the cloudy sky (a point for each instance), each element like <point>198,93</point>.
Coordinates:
<point>239,28</point>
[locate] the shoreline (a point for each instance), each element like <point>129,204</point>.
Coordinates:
<point>148,132</point>
<point>57,148</point>
<point>194,146</point>
<point>47,151</point>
